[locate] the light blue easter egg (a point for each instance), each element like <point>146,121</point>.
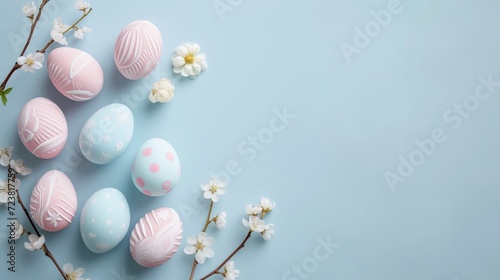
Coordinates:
<point>156,169</point>
<point>105,220</point>
<point>107,133</point>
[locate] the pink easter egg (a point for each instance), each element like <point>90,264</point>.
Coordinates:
<point>138,49</point>
<point>53,201</point>
<point>42,128</point>
<point>156,237</point>
<point>75,73</point>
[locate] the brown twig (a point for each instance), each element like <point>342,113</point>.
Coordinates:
<point>242,244</point>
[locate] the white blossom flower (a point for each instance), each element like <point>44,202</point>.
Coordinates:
<point>59,26</point>
<point>266,204</point>
<point>229,272</point>
<point>29,9</point>
<point>201,246</point>
<point>18,230</point>
<point>36,243</point>
<point>253,210</point>
<point>31,62</point>
<point>188,61</point>
<point>82,5</point>
<point>5,155</point>
<point>268,232</point>
<point>163,91</point>
<point>79,32</point>
<point>213,189</point>
<point>220,220</point>
<point>73,275</point>
<point>58,37</point>
<point>19,167</point>
<point>254,223</point>
<point>4,189</point>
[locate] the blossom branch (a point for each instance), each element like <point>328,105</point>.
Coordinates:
<point>85,14</point>
<point>12,176</point>
<point>207,222</point>
<point>37,60</point>
<point>28,41</point>
<point>242,244</point>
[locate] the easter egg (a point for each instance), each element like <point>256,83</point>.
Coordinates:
<point>156,237</point>
<point>42,128</point>
<point>75,73</point>
<point>156,168</point>
<point>105,220</point>
<point>138,49</point>
<point>53,201</point>
<point>107,133</point>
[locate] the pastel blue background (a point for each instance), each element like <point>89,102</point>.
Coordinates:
<point>325,169</point>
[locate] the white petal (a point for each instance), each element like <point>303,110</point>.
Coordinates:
<point>189,250</point>
<point>204,65</point>
<point>178,70</point>
<point>186,70</point>
<point>181,50</point>
<point>178,61</point>
<point>80,271</point>
<point>209,241</point>
<point>68,268</point>
<point>189,47</point>
<point>21,60</point>
<point>196,48</point>
<point>209,252</point>
<point>152,98</point>
<point>200,257</point>
<point>244,221</point>
<point>38,57</point>
<point>202,236</point>
<point>191,240</point>
<point>37,65</point>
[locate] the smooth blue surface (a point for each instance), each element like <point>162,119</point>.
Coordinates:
<point>330,131</point>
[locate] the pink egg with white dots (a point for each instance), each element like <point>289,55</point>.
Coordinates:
<point>156,169</point>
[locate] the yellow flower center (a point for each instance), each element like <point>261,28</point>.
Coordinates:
<point>199,246</point>
<point>189,58</point>
<point>214,188</point>
<point>30,62</point>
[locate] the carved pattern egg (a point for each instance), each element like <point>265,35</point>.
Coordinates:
<point>42,128</point>
<point>138,49</point>
<point>156,237</point>
<point>75,73</point>
<point>53,201</point>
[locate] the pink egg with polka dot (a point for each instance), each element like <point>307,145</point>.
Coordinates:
<point>156,168</point>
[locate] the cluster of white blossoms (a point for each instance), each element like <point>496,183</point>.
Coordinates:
<point>201,244</point>
<point>32,62</point>
<point>187,61</point>
<point>255,220</point>
<point>59,28</point>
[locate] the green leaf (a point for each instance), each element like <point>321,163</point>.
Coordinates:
<point>4,99</point>
<point>7,91</point>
